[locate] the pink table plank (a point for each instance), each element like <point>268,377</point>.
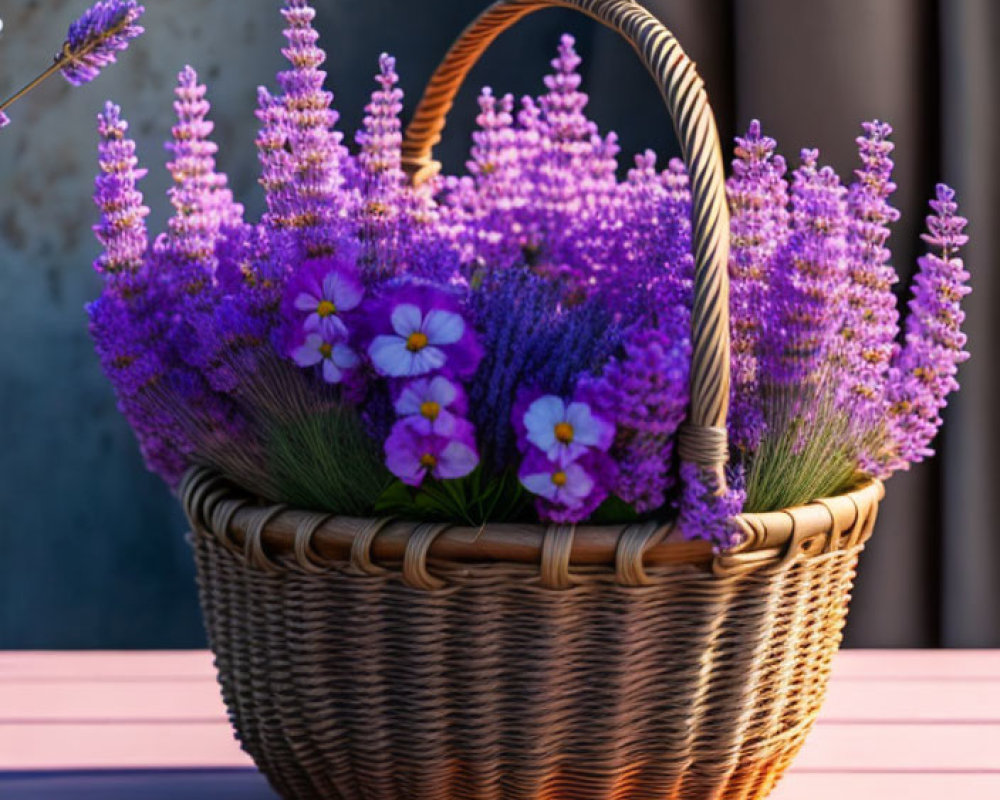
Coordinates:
<point>914,701</point>
<point>59,746</point>
<point>106,665</point>
<point>918,664</point>
<point>88,700</point>
<point>884,786</point>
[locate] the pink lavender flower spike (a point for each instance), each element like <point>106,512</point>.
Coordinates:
<point>922,373</point>
<point>203,203</point>
<point>426,331</point>
<point>92,41</point>
<point>122,229</point>
<point>413,456</point>
<point>4,120</point>
<point>430,405</point>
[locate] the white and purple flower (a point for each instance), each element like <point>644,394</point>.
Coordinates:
<point>323,294</point>
<point>426,332</point>
<point>335,356</point>
<point>566,485</point>
<point>565,431</point>
<point>430,405</point>
<point>411,456</point>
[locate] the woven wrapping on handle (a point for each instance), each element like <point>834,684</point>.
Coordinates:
<point>702,438</point>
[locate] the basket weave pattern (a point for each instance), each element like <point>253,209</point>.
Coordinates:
<point>343,680</point>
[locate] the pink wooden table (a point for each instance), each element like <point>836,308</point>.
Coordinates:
<point>110,726</point>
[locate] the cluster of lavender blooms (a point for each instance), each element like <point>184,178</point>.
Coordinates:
<point>526,324</point>
<point>92,42</point>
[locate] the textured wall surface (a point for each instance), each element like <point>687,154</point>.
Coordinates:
<point>91,546</point>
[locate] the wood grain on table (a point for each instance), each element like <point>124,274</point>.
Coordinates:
<point>919,724</point>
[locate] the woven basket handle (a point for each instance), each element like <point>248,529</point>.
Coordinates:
<point>703,438</point>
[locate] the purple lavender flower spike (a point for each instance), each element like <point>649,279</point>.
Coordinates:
<point>646,392</point>
<point>866,339</point>
<point>705,514</point>
<point>381,136</point>
<point>413,456</point>
<point>317,155</point>
<point>122,229</point>
<point>92,41</point>
<point>432,405</point>
<point>922,372</point>
<point>809,279</point>
<point>758,198</point>
<point>203,204</point>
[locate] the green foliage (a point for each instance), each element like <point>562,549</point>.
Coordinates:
<point>326,461</point>
<point>808,452</point>
<point>474,499</point>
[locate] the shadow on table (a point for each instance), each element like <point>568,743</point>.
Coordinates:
<point>159,784</point>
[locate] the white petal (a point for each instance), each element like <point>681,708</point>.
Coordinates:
<point>343,292</point>
<point>306,302</point>
<point>587,429</point>
<point>578,485</point>
<point>457,460</point>
<point>308,354</point>
<point>331,372</point>
<point>406,319</point>
<point>344,357</point>
<point>426,360</point>
<point>390,356</point>
<point>411,398</point>
<point>442,391</point>
<point>541,484</point>
<point>443,327</point>
<point>541,419</point>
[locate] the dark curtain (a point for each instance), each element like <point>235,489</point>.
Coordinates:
<point>811,72</point>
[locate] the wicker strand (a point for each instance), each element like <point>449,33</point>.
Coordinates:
<point>361,547</point>
<point>254,545</point>
<point>632,546</point>
<point>305,554</point>
<point>556,547</point>
<point>415,571</point>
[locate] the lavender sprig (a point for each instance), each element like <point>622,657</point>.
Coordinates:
<point>104,29</point>
<point>92,41</point>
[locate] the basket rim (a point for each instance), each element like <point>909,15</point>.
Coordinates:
<point>269,533</point>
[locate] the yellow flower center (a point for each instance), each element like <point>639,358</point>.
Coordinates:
<point>416,341</point>
<point>428,460</point>
<point>326,309</point>
<point>326,349</point>
<point>559,478</point>
<point>564,432</point>
<point>430,409</point>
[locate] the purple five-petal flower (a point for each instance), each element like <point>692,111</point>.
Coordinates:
<point>336,357</point>
<point>565,485</point>
<point>325,299</point>
<point>411,456</point>
<point>429,405</point>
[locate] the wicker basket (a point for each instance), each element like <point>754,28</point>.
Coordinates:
<point>381,660</point>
